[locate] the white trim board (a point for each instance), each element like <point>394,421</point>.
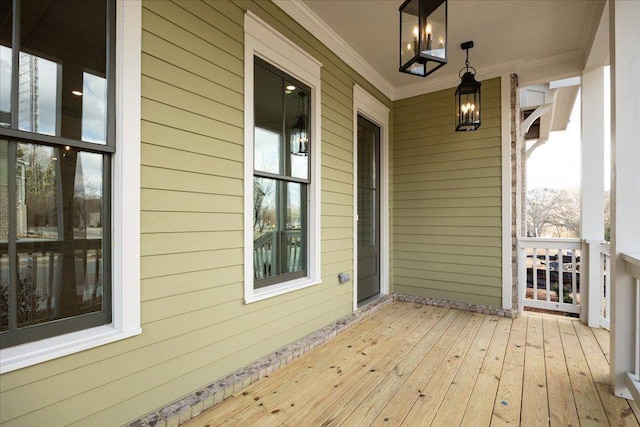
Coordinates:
<point>125,210</point>
<point>366,105</point>
<point>265,42</point>
<point>302,14</point>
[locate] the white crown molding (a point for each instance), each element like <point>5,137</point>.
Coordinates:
<point>319,29</point>
<point>590,27</point>
<point>574,60</point>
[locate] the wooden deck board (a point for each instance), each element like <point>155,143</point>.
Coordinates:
<point>588,404</point>
<point>535,407</point>
<point>480,406</point>
<point>508,402</point>
<point>562,406</point>
<point>462,386</point>
<point>418,365</point>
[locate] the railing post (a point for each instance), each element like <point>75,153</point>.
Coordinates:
<point>591,281</point>
<point>625,181</point>
<point>522,276</point>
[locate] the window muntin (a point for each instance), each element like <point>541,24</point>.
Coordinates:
<point>55,253</point>
<point>281,176</point>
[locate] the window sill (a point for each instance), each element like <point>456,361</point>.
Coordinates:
<point>22,356</point>
<point>279,289</point>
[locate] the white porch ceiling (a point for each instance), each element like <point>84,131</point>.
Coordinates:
<point>541,40</point>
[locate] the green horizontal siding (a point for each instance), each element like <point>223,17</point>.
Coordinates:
<point>196,328</point>
<point>447,200</point>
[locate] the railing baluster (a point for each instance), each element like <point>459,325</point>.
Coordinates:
<point>535,274</point>
<point>574,281</point>
<point>50,284</point>
<point>637,372</point>
<point>34,285</point>
<point>560,276</point>
<point>547,275</point>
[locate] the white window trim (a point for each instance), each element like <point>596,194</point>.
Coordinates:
<point>367,106</point>
<point>263,41</point>
<point>125,210</point>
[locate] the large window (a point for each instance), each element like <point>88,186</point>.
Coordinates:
<point>57,140</point>
<point>282,177</point>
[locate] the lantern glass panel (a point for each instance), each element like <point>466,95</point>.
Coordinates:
<point>409,31</point>
<point>434,33</point>
<point>468,106</point>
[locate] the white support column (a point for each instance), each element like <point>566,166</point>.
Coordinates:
<point>592,190</point>
<point>625,181</point>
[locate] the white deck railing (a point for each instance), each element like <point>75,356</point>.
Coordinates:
<point>549,274</point>
<point>632,265</point>
<point>599,264</point>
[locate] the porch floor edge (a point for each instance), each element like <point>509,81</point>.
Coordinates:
<point>458,305</point>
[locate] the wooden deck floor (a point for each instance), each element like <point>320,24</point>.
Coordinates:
<point>417,365</point>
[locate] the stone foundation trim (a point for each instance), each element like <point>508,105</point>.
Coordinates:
<point>182,410</point>
<point>475,308</point>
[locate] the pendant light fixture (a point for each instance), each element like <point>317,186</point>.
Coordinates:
<point>423,36</point>
<point>467,96</point>
<point>299,140</point>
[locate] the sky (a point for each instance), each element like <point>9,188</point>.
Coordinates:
<point>556,164</point>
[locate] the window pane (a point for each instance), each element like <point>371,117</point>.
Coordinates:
<point>4,289</point>
<point>62,41</point>
<point>267,151</point>
<point>367,187</point>
<point>37,195</point>
<point>268,116</point>
<point>37,95</point>
<point>295,237</point>
<point>59,231</point>
<point>4,191</point>
<point>94,108</point>
<point>282,124</point>
<point>6,30</point>
<point>264,227</point>
<point>4,236</point>
<point>279,236</point>
<point>297,119</point>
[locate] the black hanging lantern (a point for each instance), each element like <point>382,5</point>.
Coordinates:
<point>423,36</point>
<point>467,96</point>
<point>299,140</point>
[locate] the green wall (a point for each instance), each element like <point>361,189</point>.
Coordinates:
<point>196,327</point>
<point>447,200</point>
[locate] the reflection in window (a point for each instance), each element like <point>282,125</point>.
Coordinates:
<point>36,192</point>
<point>266,151</point>
<point>59,233</point>
<point>94,108</point>
<point>279,228</point>
<point>281,176</point>
<point>53,217</point>
<point>4,191</point>
<point>5,86</point>
<point>37,95</point>
<point>4,236</point>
